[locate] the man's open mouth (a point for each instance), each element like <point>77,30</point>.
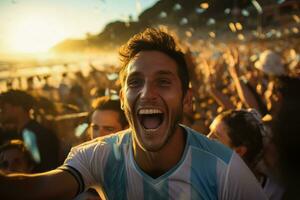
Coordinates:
<point>150,119</point>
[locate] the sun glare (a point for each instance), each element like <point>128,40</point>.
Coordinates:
<point>35,33</point>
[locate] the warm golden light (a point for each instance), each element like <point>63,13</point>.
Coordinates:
<point>296,18</point>
<point>35,33</point>
<point>204,5</point>
<point>241,36</point>
<point>212,34</point>
<point>232,27</point>
<point>239,26</point>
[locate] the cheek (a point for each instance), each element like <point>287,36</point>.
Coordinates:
<point>172,97</point>
<point>176,104</point>
<point>225,140</point>
<point>129,99</point>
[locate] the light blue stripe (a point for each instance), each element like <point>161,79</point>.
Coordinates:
<point>115,174</point>
<point>204,184</point>
<point>200,141</point>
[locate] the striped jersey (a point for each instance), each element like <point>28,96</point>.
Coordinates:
<point>207,170</point>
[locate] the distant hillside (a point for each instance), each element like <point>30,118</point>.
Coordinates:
<point>183,14</point>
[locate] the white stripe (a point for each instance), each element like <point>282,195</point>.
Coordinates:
<point>179,181</point>
<point>99,158</point>
<point>135,186</point>
<point>222,178</point>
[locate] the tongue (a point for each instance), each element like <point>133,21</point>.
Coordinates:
<point>151,122</point>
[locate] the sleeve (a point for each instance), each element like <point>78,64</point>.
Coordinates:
<point>86,163</point>
<point>237,182</point>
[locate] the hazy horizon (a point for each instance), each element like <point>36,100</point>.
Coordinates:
<point>34,26</point>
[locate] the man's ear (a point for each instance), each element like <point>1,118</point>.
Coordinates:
<point>188,101</point>
<point>121,95</point>
<point>241,150</point>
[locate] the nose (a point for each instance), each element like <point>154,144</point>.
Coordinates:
<point>148,91</point>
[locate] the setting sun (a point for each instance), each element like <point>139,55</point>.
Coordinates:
<point>35,33</point>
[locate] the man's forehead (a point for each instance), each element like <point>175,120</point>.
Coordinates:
<point>105,113</point>
<point>135,68</point>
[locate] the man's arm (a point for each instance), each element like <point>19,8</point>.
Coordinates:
<point>55,184</point>
<point>246,96</point>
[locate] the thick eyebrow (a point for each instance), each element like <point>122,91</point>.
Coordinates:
<point>165,72</point>
<point>133,74</point>
<point>160,72</point>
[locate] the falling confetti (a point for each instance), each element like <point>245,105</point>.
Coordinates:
<point>296,18</point>
<point>204,5</point>
<point>188,33</point>
<point>269,34</point>
<point>280,1</point>
<point>211,21</point>
<point>232,27</point>
<point>278,34</point>
<point>257,6</point>
<point>241,36</point>
<point>239,26</point>
<point>163,14</point>
<point>227,11</point>
<point>199,10</point>
<point>295,30</point>
<point>183,21</point>
<point>212,34</point>
<point>177,7</point>
<point>245,13</point>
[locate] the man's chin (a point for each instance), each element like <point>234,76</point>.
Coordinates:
<point>152,148</point>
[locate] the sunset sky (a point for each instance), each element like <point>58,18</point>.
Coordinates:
<point>36,25</point>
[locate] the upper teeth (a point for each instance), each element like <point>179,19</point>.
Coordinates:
<point>150,111</point>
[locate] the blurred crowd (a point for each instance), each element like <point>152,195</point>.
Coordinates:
<point>237,87</point>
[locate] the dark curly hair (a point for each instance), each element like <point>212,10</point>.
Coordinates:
<point>154,40</point>
<point>244,128</point>
<point>106,103</point>
<point>18,98</point>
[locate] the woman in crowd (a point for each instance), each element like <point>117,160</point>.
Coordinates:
<point>244,132</point>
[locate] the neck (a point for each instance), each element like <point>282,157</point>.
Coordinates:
<point>157,163</point>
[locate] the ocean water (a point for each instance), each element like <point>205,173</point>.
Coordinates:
<point>28,65</point>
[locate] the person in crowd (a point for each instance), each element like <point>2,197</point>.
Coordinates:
<point>107,117</point>
<point>17,109</point>
<point>15,157</point>
<point>243,131</point>
<point>156,158</point>
<point>77,98</point>
<point>286,126</point>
